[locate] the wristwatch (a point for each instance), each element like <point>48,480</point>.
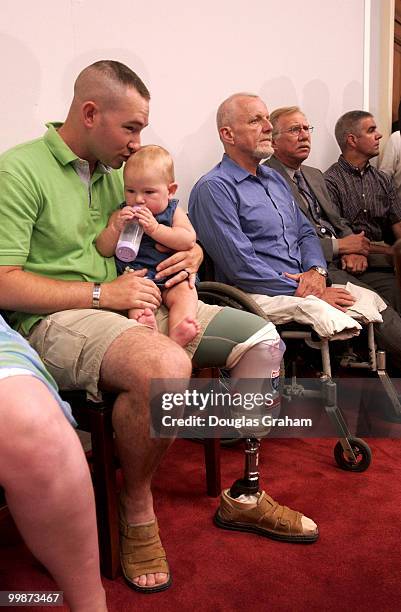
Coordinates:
<point>96,295</point>
<point>320,270</point>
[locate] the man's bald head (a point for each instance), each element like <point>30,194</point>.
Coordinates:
<point>227,109</point>
<point>105,80</point>
<point>245,130</point>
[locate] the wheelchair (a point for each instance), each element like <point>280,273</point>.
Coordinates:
<point>350,453</point>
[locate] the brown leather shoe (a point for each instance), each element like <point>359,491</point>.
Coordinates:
<point>266,518</point>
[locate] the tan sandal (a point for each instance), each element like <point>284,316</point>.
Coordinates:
<point>266,518</point>
<point>141,552</point>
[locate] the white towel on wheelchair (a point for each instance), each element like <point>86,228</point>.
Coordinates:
<point>327,321</point>
<point>368,305</point>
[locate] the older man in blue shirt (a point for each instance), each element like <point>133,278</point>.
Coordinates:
<point>245,216</point>
<point>259,240</point>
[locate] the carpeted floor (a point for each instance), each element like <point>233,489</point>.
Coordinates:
<point>355,565</point>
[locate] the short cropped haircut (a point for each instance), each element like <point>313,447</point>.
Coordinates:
<point>119,73</point>
<point>349,124</point>
<point>153,156</point>
<point>279,112</point>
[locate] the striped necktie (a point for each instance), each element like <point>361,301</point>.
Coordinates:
<point>324,227</point>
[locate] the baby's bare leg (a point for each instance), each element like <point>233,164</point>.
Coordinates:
<point>182,302</point>
<point>142,315</point>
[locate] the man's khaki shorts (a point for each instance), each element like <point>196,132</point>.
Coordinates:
<point>72,343</point>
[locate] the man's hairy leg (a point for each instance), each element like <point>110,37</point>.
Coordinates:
<point>42,469</point>
<point>135,358</point>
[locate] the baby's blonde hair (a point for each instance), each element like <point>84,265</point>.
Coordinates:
<point>152,156</point>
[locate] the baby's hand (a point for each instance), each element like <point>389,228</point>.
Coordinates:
<point>147,220</point>
<point>120,218</point>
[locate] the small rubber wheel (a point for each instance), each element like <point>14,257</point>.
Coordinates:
<point>362,452</point>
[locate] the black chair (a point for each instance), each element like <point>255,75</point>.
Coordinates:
<point>95,418</point>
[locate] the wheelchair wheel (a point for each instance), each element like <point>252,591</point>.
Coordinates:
<point>220,294</point>
<point>362,452</point>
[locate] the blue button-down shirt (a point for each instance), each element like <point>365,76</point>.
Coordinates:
<point>252,229</point>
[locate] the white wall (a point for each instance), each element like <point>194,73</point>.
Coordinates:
<point>381,63</point>
<point>191,55</point>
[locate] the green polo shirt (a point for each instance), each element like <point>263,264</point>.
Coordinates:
<point>48,219</point>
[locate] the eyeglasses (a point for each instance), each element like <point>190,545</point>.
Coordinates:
<point>295,130</point>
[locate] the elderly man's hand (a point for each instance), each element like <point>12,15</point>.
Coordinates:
<point>309,283</point>
<point>183,264</point>
<point>338,297</point>
<point>354,263</point>
<point>354,243</point>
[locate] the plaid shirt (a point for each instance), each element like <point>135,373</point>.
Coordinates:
<point>367,198</point>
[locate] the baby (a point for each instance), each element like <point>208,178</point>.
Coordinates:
<point>149,186</point>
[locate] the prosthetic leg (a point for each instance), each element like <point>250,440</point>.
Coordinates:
<point>249,484</point>
<point>270,356</point>
<point>246,506</point>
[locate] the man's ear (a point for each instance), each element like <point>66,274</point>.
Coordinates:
<point>226,135</point>
<point>172,188</point>
<point>274,143</point>
<point>351,141</point>
<point>89,112</point>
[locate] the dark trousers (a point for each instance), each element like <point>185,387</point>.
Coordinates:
<point>388,333</point>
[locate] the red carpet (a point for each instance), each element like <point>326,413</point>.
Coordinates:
<point>355,565</point>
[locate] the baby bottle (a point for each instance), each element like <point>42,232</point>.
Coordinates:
<point>130,238</point>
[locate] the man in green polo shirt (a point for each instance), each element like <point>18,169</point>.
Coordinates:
<point>56,195</point>
<point>46,182</point>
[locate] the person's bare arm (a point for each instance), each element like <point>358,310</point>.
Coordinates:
<point>380,249</point>
<point>28,292</point>
<point>180,236</point>
<point>180,264</point>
